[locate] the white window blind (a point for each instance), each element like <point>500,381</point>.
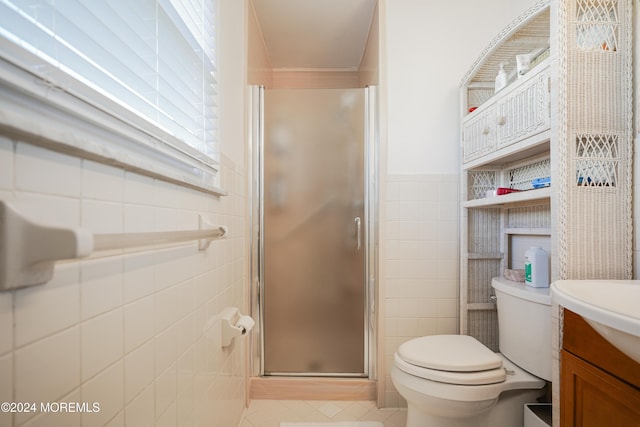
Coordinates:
<point>149,63</point>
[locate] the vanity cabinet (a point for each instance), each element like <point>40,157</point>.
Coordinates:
<point>600,386</point>
<point>567,120</point>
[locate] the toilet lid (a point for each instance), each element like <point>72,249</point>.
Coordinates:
<point>491,376</point>
<point>452,353</point>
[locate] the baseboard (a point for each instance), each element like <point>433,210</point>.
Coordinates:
<point>308,388</point>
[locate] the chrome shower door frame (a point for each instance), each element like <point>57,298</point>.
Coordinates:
<point>256,225</point>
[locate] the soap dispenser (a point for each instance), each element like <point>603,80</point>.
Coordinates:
<point>501,79</point>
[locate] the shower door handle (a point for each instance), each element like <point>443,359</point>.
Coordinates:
<point>358,232</point>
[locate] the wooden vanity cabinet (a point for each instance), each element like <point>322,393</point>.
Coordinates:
<point>600,386</point>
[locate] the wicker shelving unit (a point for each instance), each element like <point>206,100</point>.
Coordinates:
<point>547,123</point>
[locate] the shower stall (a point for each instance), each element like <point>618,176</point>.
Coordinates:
<point>313,187</point>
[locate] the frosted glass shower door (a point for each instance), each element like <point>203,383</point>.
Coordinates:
<point>314,281</point>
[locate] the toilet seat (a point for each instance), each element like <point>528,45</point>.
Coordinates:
<point>451,359</point>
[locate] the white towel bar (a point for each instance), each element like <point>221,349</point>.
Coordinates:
<point>28,251</point>
<point>106,242</point>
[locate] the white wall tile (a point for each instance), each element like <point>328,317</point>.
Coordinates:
<point>173,266</point>
<point>139,273</point>
<point>408,308</point>
<point>49,368</point>
<point>410,190</point>
<point>447,308</point>
<point>391,327</point>
<point>430,190</point>
<point>107,389</point>
<point>408,327</point>
<point>6,322</point>
<point>429,230</point>
<point>402,230</point>
<point>138,189</point>
<point>185,330</point>
<point>102,182</point>
<point>448,229</point>
<point>449,190</point>
<point>429,210</point>
<point>168,418</point>
<point>115,329</point>
<point>102,286</point>
<point>428,307</point>
<point>427,326</point>
<point>138,323</point>
<point>139,373</point>
<point>165,194</point>
<point>165,311</point>
<point>186,407</point>
<point>186,370</point>
<point>186,301</point>
<point>447,326</point>
<point>138,219</point>
<point>175,219</point>
<point>402,211</point>
<point>165,390</point>
<point>421,260</point>
<point>45,171</point>
<point>446,269</point>
<point>48,210</point>
<point>6,385</point>
<point>102,217</point>
<point>6,163</point>
<point>117,421</point>
<point>102,342</point>
<point>165,344</point>
<point>58,419</point>
<point>141,411</point>
<point>43,310</point>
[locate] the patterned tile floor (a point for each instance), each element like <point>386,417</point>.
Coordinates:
<point>269,413</point>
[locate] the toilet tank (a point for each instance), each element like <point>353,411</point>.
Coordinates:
<point>524,325</point>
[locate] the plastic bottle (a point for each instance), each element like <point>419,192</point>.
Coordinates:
<point>536,267</point>
<point>501,79</point>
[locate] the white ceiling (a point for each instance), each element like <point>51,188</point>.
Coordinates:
<point>315,33</point>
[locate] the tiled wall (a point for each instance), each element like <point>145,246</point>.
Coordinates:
<point>127,331</point>
<point>420,262</point>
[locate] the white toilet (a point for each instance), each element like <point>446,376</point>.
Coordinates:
<point>455,381</point>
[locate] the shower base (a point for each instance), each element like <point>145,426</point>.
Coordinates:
<point>308,388</point>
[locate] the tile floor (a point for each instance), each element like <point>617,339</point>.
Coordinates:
<point>269,413</point>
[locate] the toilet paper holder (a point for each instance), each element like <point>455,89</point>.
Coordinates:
<point>234,324</point>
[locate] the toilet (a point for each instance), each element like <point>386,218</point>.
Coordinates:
<point>456,381</point>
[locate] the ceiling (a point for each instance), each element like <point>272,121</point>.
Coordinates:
<point>315,33</point>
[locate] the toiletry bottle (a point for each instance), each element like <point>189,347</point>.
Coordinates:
<point>501,79</point>
<point>536,267</point>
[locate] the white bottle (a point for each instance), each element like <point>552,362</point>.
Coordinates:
<point>536,267</point>
<point>501,79</point>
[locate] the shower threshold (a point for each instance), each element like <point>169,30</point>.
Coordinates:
<point>312,388</point>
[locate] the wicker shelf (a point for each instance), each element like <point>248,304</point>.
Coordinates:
<point>511,87</point>
<point>505,142</point>
<point>528,231</point>
<point>483,256</point>
<point>568,119</point>
<point>513,124</point>
<point>497,201</point>
<point>529,147</point>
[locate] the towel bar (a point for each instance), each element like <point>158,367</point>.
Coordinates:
<point>28,251</point>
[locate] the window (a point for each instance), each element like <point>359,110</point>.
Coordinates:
<point>145,69</point>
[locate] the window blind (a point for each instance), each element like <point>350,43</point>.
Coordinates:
<point>153,59</point>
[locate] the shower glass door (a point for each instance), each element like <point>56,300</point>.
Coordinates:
<point>314,295</point>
